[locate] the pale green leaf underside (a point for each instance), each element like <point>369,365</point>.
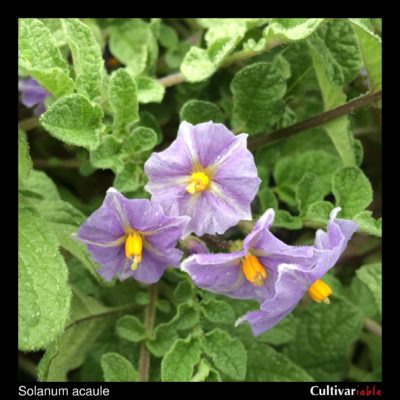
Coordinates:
<point>74,120</point>
<point>40,57</point>
<point>123,98</point>
<point>86,55</point>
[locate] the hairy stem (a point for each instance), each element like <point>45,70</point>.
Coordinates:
<point>149,317</point>
<point>29,124</point>
<point>57,163</point>
<point>317,120</point>
<point>372,326</point>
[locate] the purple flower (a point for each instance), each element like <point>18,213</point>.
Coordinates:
<point>132,238</point>
<point>275,274</point>
<point>250,272</point>
<point>33,95</point>
<point>208,174</point>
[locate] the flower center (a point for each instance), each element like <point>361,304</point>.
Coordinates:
<point>133,248</point>
<point>253,270</point>
<point>319,291</point>
<point>198,182</point>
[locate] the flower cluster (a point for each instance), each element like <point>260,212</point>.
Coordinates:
<point>204,183</point>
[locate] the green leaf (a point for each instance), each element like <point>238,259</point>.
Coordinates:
<point>280,334</point>
<point>291,29</point>
<point>149,90</point>
<point>283,219</point>
<point>302,77</point>
<point>166,333</point>
<point>163,305</point>
<point>308,191</point>
<point>228,354</point>
<point>352,190</point>
<point>267,365</point>
<point>371,51</point>
<point>106,154</point>
<point>359,294</point>
<point>197,65</point>
<point>200,64</point>
<point>333,96</point>
<point>130,43</point>
<point>128,178</point>
<point>196,111</point>
<point>141,139</point>
<point>183,291</point>
<point>258,91</point>
<point>55,27</point>
<point>130,328</point>
<point>283,66</point>
<point>74,120</point>
<point>324,334</point>
<point>267,199</point>
<point>289,171</point>
<point>175,56</point>
<point>86,56</point>
<point>24,159</point>
<point>40,57</point>
<point>43,292</point>
<point>319,211</point>
<point>42,185</point>
<point>117,368</point>
<point>69,351</point>
<point>179,362</point>
<point>368,224</point>
<point>203,371</point>
<point>218,311</point>
<point>168,36</point>
<point>336,43</point>
<point>371,276</point>
<point>123,98</point>
<point>65,219</point>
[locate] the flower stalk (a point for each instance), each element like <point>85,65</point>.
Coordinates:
<point>149,317</point>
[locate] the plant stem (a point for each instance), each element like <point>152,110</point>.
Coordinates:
<point>57,163</point>
<point>29,124</point>
<point>173,79</point>
<point>149,317</point>
<point>372,326</point>
<point>317,120</point>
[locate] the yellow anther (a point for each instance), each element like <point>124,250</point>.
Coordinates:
<point>319,291</point>
<point>198,182</point>
<point>133,248</point>
<point>253,270</point>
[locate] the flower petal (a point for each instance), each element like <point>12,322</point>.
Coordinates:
<point>32,92</point>
<point>152,266</point>
<point>206,142</point>
<point>221,273</point>
<point>330,245</point>
<point>230,166</point>
<point>261,321</point>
